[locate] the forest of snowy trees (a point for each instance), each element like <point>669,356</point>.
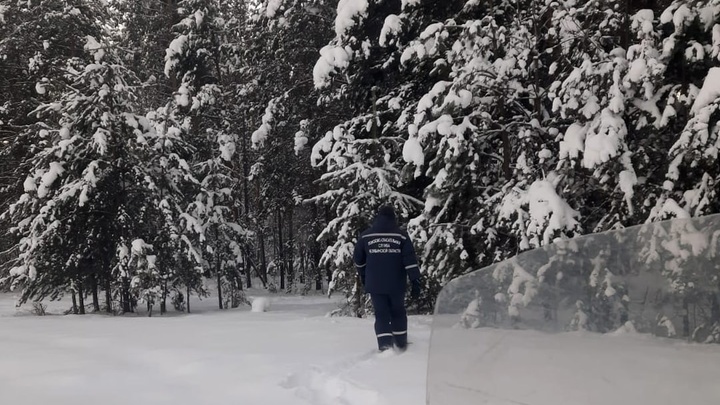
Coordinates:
<point>149,145</point>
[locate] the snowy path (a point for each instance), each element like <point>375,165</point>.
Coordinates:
<point>290,355</point>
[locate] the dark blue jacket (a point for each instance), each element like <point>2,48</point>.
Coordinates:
<point>385,257</point>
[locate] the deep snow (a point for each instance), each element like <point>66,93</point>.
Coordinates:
<point>292,354</point>
<point>295,354</point>
<point>510,367</point>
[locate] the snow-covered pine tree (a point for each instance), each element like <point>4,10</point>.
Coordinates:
<point>35,51</point>
<point>480,134</point>
<point>149,32</point>
<point>170,177</point>
<point>362,154</point>
<point>211,219</point>
<point>36,40</point>
<point>691,49</point>
<point>285,40</point>
<point>693,69</point>
<point>90,192</point>
<point>237,79</point>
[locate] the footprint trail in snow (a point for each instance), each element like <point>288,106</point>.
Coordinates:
<point>329,386</point>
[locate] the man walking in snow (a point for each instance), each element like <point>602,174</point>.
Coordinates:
<point>385,258</point>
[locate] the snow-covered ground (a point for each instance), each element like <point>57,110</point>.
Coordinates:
<point>510,367</point>
<point>292,354</point>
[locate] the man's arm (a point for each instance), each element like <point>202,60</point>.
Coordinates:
<point>360,258</point>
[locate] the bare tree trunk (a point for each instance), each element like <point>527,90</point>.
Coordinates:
<point>81,298</point>
<point>536,60</point>
<point>686,317</point>
<point>328,273</point>
<point>246,195</point>
<point>127,307</point>
<point>263,259</point>
<point>315,247</point>
<point>219,285</point>
<point>108,285</point>
<point>247,266</point>
<point>246,170</point>
<point>625,36</point>
<point>163,302</point>
<point>187,298</point>
<point>358,298</point>
<point>303,259</point>
<point>328,270</point>
<point>281,251</point>
<point>290,254</point>
<point>318,269</point>
<point>74,301</point>
<point>95,297</point>
<point>252,266</point>
<point>108,297</point>
<point>507,152</point>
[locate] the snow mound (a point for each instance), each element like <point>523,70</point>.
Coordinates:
<point>261,304</point>
<point>627,329</point>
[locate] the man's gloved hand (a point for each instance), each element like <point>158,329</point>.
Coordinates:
<point>415,290</point>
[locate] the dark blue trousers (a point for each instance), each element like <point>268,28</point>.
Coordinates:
<point>390,320</point>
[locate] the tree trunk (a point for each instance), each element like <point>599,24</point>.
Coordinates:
<point>247,266</point>
<point>108,297</point>
<point>303,259</point>
<point>281,250</point>
<point>358,298</point>
<point>108,286</point>
<point>714,308</point>
<point>290,254</point>
<point>81,298</point>
<point>263,259</point>
<point>127,307</point>
<point>251,265</point>
<point>625,36</point>
<point>537,21</point>
<point>316,255</point>
<point>246,196</point>
<point>318,269</point>
<point>163,302</point>
<point>248,273</point>
<point>505,136</point>
<point>95,298</point>
<point>74,302</point>
<point>246,170</point>
<point>328,270</point>
<point>219,285</point>
<point>686,317</point>
<point>187,298</point>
